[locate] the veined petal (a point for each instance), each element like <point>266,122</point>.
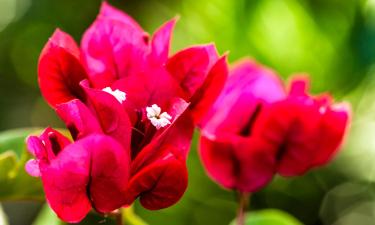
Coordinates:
<point>307,130</point>
<point>160,43</point>
<point>248,89</point>
<point>235,162</point>
<point>60,69</point>
<point>65,181</point>
<point>92,171</point>
<point>78,119</point>
<point>110,12</point>
<point>190,66</point>
<point>109,174</point>
<point>112,116</point>
<point>36,147</point>
<point>159,185</point>
<point>154,86</point>
<point>112,50</point>
<point>206,94</point>
<point>334,126</point>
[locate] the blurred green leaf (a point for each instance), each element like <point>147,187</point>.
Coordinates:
<point>130,217</point>
<point>15,139</point>
<point>269,217</point>
<point>16,184</point>
<point>47,216</point>
<point>3,218</point>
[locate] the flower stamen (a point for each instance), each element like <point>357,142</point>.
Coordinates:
<point>157,118</point>
<point>119,95</point>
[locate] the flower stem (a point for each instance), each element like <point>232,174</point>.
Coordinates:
<point>118,217</point>
<point>243,202</point>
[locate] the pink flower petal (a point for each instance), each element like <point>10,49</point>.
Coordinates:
<point>206,94</point>
<point>112,49</point>
<point>112,13</point>
<point>60,69</point>
<point>110,167</point>
<point>54,142</point>
<point>36,147</point>
<point>160,184</point>
<point>160,42</point>
<point>190,66</point>
<point>65,181</point>
<point>243,164</point>
<point>111,115</point>
<point>178,135</point>
<point>78,119</point>
<point>249,88</point>
<point>32,168</point>
<point>308,130</point>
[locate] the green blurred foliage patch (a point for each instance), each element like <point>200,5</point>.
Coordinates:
<point>16,184</point>
<point>269,217</point>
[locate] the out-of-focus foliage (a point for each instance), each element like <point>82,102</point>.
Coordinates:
<point>332,40</point>
<point>3,219</point>
<point>269,217</point>
<point>16,184</point>
<point>46,216</point>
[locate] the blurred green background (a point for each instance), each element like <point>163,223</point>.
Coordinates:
<point>332,40</point>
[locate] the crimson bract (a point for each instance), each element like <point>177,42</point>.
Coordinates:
<point>258,128</point>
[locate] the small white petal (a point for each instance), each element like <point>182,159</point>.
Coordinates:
<point>157,109</point>
<point>164,122</point>
<point>166,116</point>
<point>155,122</point>
<point>151,112</point>
<point>158,120</point>
<point>119,95</point>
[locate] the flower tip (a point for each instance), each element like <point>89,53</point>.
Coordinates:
<point>59,37</point>
<point>344,107</point>
<point>244,62</point>
<point>299,84</point>
<point>59,34</point>
<point>105,7</point>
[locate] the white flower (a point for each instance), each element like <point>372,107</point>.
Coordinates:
<point>157,118</point>
<point>119,95</point>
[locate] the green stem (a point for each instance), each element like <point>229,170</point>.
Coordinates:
<point>243,202</point>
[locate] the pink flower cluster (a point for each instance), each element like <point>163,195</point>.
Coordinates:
<point>258,128</point>
<point>131,110</point>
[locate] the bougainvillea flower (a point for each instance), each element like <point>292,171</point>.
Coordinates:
<point>117,56</point>
<point>91,172</point>
<point>121,89</point>
<point>256,129</point>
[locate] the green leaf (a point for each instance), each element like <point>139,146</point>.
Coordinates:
<point>269,217</point>
<point>16,184</point>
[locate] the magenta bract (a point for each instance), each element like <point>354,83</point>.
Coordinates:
<point>131,110</point>
<point>256,129</point>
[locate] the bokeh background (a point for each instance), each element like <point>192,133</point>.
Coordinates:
<point>332,40</point>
